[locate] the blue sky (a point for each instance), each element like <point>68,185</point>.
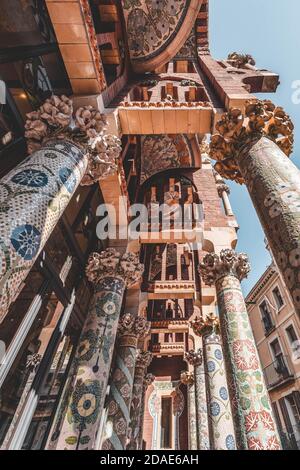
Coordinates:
<point>269,30</point>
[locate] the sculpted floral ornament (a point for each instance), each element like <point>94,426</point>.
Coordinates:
<point>55,119</point>
<point>213,267</point>
<point>241,61</point>
<point>132,325</point>
<point>237,131</point>
<point>110,263</point>
<point>221,188</point>
<point>206,325</point>
<point>195,358</point>
<point>187,378</point>
<point>148,380</point>
<point>144,359</point>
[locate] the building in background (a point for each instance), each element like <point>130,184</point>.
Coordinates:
<point>276,329</point>
<point>124,341</point>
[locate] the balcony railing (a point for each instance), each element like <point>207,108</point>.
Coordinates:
<point>167,348</point>
<point>278,372</point>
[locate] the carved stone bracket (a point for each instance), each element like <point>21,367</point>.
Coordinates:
<point>33,361</point>
<point>110,263</point>
<point>55,119</point>
<point>238,131</point>
<point>194,358</point>
<point>187,378</point>
<point>203,326</point>
<point>213,267</point>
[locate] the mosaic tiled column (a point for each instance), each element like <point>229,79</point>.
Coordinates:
<point>254,151</point>
<point>111,273</point>
<point>196,359</point>
<point>254,422</point>
<point>187,378</point>
<point>148,380</point>
<point>131,329</point>
<point>140,384</point>
<point>219,409</point>
<point>34,195</point>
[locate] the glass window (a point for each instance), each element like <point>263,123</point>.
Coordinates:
<point>278,297</point>
<point>266,316</point>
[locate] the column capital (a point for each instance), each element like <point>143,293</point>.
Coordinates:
<point>204,326</point>
<point>131,328</point>
<point>187,378</point>
<point>237,131</point>
<point>222,187</point>
<point>148,380</point>
<point>213,266</point>
<point>194,358</point>
<point>85,128</point>
<point>143,359</point>
<point>110,263</point>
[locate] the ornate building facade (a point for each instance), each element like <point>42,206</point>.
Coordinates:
<point>119,334</point>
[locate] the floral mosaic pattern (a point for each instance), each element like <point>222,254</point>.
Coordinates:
<point>192,417</point>
<point>220,415</point>
<point>273,182</point>
<point>32,198</point>
<point>152,24</point>
<point>93,361</point>
<point>249,398</point>
<point>201,408</point>
<point>165,152</point>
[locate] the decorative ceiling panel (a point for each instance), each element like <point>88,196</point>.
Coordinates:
<point>157,29</point>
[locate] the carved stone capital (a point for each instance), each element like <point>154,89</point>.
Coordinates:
<point>223,188</point>
<point>194,358</point>
<point>55,119</point>
<point>213,267</point>
<point>143,359</point>
<point>110,263</point>
<point>133,326</point>
<point>203,326</point>
<point>187,378</point>
<point>148,380</point>
<point>238,131</point>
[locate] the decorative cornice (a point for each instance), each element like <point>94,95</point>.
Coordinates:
<point>132,325</point>
<point>203,326</point>
<point>238,131</point>
<point>85,128</point>
<point>261,283</point>
<point>213,267</point>
<point>194,358</point>
<point>187,378</point>
<point>110,263</point>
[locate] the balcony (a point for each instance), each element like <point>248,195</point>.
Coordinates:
<point>174,289</point>
<point>167,349</point>
<point>279,372</point>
